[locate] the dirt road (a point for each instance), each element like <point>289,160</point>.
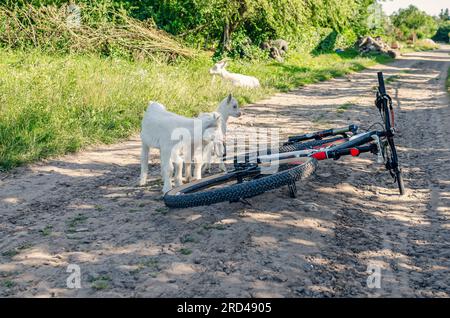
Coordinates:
<point>86,209</point>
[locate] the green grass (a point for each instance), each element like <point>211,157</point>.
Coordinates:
<point>188,239</point>
<point>219,227</point>
<point>151,264</point>
<point>9,284</point>
<point>185,251</point>
<point>47,230</point>
<point>342,108</point>
<point>10,253</point>
<point>52,105</point>
<point>75,221</point>
<point>163,210</point>
<point>448,81</point>
<point>392,79</point>
<point>420,45</point>
<point>100,282</point>
<point>13,252</point>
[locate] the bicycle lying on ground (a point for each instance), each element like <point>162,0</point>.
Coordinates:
<point>296,159</point>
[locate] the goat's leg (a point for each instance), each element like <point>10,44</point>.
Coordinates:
<point>178,162</point>
<point>198,170</point>
<point>207,158</point>
<point>188,171</point>
<point>144,164</point>
<point>166,170</point>
<point>206,167</point>
<point>221,159</point>
<point>222,165</point>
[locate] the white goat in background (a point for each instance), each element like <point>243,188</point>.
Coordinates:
<point>158,128</point>
<point>236,79</point>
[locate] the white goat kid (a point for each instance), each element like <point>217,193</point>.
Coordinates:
<point>214,138</point>
<point>213,148</point>
<point>236,79</point>
<point>157,131</point>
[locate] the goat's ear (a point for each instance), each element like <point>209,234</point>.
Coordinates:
<point>225,63</point>
<point>217,116</point>
<point>229,98</point>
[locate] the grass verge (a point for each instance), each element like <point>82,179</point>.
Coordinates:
<point>56,104</point>
<point>419,45</point>
<point>448,81</point>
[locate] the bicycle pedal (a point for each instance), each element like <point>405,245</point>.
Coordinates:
<point>292,190</point>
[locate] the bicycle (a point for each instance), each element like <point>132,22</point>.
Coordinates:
<point>297,159</point>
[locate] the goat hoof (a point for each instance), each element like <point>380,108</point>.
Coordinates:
<point>166,189</point>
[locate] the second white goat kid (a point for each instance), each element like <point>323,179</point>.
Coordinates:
<point>238,80</point>
<point>213,146</point>
<point>214,139</point>
<point>163,129</point>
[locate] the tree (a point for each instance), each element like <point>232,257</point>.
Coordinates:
<point>444,15</point>
<point>412,21</point>
<point>235,13</point>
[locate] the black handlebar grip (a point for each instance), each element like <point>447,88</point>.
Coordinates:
<point>381,87</point>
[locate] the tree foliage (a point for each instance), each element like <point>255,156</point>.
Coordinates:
<point>412,21</point>
<point>443,32</point>
<point>444,15</point>
<point>238,26</point>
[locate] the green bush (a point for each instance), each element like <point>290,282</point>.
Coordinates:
<point>202,22</point>
<point>443,32</point>
<point>412,21</point>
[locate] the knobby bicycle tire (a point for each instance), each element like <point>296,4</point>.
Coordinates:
<point>181,197</point>
<point>401,186</point>
<point>396,168</point>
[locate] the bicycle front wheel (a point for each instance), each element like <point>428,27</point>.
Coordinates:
<point>237,185</point>
<point>401,186</point>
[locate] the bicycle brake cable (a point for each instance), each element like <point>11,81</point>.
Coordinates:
<point>376,123</point>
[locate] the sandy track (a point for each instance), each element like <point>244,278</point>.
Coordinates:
<point>85,209</point>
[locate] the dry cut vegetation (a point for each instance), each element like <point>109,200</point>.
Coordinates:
<point>54,29</point>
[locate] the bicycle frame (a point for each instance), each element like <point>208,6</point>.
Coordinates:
<point>353,145</point>
<point>332,151</point>
<point>324,133</point>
